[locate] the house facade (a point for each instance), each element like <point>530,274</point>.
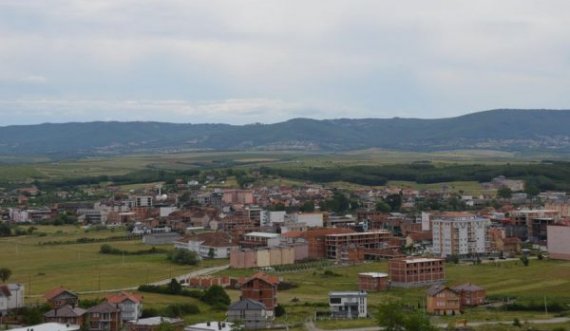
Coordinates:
<point>130,305</point>
<point>59,297</point>
<point>250,313</point>
<point>261,287</point>
<point>460,236</point>
<point>414,271</point>
<point>66,315</point>
<point>217,245</point>
<point>441,300</point>
<point>104,317</point>
<point>11,297</point>
<point>471,295</point>
<point>348,304</point>
<point>373,281</point>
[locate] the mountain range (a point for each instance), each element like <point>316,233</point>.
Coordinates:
<point>502,129</point>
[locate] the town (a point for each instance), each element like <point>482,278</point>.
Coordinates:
<point>219,253</point>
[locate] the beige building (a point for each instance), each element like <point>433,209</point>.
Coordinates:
<point>558,242</point>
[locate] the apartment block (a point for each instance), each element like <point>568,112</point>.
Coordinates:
<point>336,243</point>
<point>461,236</point>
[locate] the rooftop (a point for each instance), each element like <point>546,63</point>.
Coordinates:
<point>49,327</point>
<point>374,274</point>
<point>263,234</point>
<point>348,294</point>
<point>157,320</point>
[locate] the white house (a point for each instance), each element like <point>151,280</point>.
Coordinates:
<point>312,220</point>
<point>11,297</point>
<point>348,304</point>
<point>215,245</point>
<point>130,305</point>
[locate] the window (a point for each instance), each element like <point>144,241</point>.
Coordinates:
<point>335,300</point>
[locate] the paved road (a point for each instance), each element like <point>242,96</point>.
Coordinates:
<point>557,320</point>
<point>196,273</point>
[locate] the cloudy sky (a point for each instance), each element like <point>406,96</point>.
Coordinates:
<point>242,61</point>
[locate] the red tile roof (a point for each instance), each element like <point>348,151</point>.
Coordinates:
<point>273,280</point>
<point>120,297</point>
<point>55,292</point>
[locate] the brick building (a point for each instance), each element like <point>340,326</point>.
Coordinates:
<point>441,300</point>
<point>373,281</point>
<point>471,295</point>
<point>261,287</point>
<point>415,272</point>
<point>558,239</point>
<point>334,243</point>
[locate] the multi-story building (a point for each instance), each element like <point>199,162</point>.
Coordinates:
<point>243,197</point>
<point>130,305</point>
<point>104,317</point>
<point>260,239</point>
<point>558,239</point>
<point>335,243</point>
<point>460,236</point>
<point>263,288</point>
<point>11,297</point>
<point>415,271</point>
<point>348,304</point>
<point>535,222</point>
<point>373,281</point>
<point>441,300</point>
<point>59,297</point>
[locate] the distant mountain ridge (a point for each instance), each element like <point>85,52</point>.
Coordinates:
<point>502,129</point>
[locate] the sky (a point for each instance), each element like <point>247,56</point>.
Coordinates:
<point>267,61</point>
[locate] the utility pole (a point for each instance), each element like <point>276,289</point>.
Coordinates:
<point>545,306</point>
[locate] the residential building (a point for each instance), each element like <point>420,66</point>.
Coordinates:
<point>416,271</point>
<point>249,313</point>
<point>154,323</point>
<point>536,221</point>
<point>59,297</point>
<point>373,281</point>
<point>334,243</point>
<point>104,317</point>
<point>217,245</point>
<point>49,327</point>
<point>471,295</point>
<point>348,304</point>
<point>312,220</point>
<point>261,287</point>
<point>210,326</point>
<point>243,197</point>
<point>130,305</point>
<point>66,315</point>
<point>460,236</point>
<point>441,300</point>
<point>563,208</point>
<point>558,242</point>
<point>260,239</point>
<point>268,256</point>
<point>11,297</point>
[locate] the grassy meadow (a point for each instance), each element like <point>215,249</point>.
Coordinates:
<point>80,267</point>
<point>509,279</point>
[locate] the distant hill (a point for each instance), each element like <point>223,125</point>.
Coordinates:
<point>503,129</point>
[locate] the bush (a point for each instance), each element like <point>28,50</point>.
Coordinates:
<point>279,311</point>
<point>183,256</point>
<point>216,295</point>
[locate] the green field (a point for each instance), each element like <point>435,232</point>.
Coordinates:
<point>539,279</point>
<point>120,165</point>
<point>80,267</point>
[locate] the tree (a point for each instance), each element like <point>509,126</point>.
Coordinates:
<point>308,207</point>
<point>174,287</point>
<point>504,192</point>
<point>5,230</point>
<point>5,274</point>
<point>383,207</point>
<point>279,311</point>
<point>395,201</point>
<point>216,295</point>
<point>524,260</point>
<point>211,253</point>
<point>183,256</point>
